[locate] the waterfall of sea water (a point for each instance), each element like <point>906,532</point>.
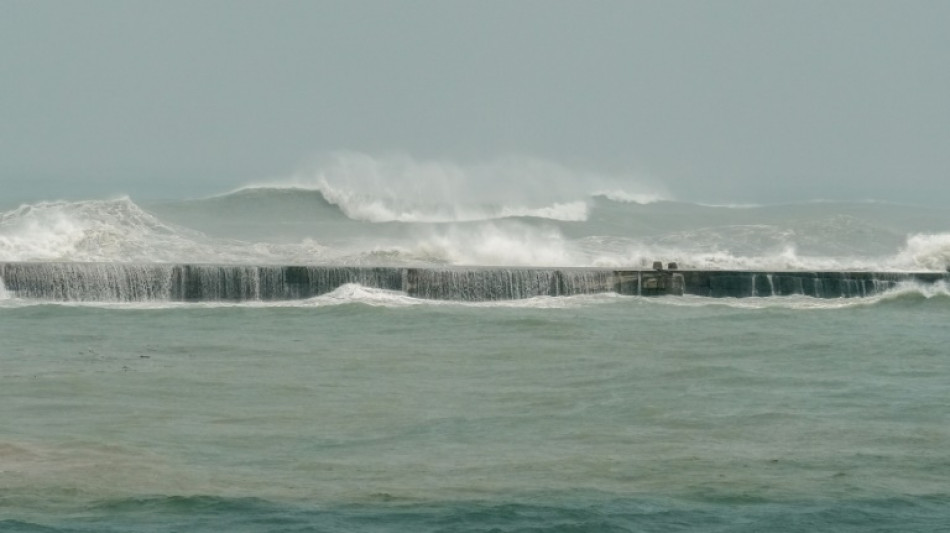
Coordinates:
<point>124,282</point>
<point>481,284</point>
<point>881,285</point>
<point>506,284</point>
<point>103,282</point>
<point>575,282</point>
<point>242,283</point>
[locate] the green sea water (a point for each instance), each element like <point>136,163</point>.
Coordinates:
<point>371,411</point>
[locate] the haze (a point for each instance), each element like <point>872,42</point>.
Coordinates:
<point>711,101</point>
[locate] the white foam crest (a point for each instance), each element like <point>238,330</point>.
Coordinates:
<point>355,293</point>
<point>359,206</point>
<point>622,196</point>
<point>96,230</point>
<point>119,230</point>
<point>928,291</point>
<point>494,244</point>
<point>926,251</point>
<point>351,293</point>
<point>630,253</point>
<point>399,188</point>
<point>770,302</point>
<point>762,247</point>
<point>4,293</point>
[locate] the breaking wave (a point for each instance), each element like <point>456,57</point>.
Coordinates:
<point>398,188</point>
<point>294,226</point>
<point>119,230</point>
<point>113,230</point>
<point>929,251</point>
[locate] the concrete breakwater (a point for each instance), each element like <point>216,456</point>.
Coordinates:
<point>129,282</point>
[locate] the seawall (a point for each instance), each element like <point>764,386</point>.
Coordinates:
<point>129,282</point>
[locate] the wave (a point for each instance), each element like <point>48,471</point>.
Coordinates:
<point>360,206</point>
<point>348,294</point>
<point>114,230</point>
<point>930,251</point>
<point>353,293</point>
<point>492,244</point>
<point>622,196</point>
<point>268,226</point>
<point>118,230</point>
<point>398,188</point>
<point>905,292</point>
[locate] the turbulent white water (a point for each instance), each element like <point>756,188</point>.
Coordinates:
<point>617,235</point>
<point>353,209</point>
<point>119,230</point>
<point>398,188</point>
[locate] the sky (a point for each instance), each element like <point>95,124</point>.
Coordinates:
<point>727,101</point>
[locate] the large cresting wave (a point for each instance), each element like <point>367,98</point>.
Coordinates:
<point>118,230</point>
<point>399,188</point>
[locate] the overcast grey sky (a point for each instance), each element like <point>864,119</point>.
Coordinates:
<point>720,101</point>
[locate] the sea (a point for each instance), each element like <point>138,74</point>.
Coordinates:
<point>365,409</point>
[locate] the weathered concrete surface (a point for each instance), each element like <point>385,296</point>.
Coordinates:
<point>198,282</point>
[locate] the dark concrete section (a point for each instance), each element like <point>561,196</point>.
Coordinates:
<point>740,284</point>
<point>125,282</point>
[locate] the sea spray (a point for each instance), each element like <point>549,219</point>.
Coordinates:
<point>280,227</point>
<point>399,188</point>
<point>495,244</point>
<point>926,251</point>
<point>94,230</point>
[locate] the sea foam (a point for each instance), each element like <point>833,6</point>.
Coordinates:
<point>96,230</point>
<point>928,251</point>
<point>812,237</point>
<point>399,188</point>
<point>118,230</point>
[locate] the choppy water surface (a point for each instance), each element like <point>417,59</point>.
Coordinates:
<point>609,413</point>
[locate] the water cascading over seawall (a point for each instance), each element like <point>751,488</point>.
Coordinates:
<point>128,282</point>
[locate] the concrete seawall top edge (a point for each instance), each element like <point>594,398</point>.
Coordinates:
<point>475,267</point>
<point>497,267</point>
